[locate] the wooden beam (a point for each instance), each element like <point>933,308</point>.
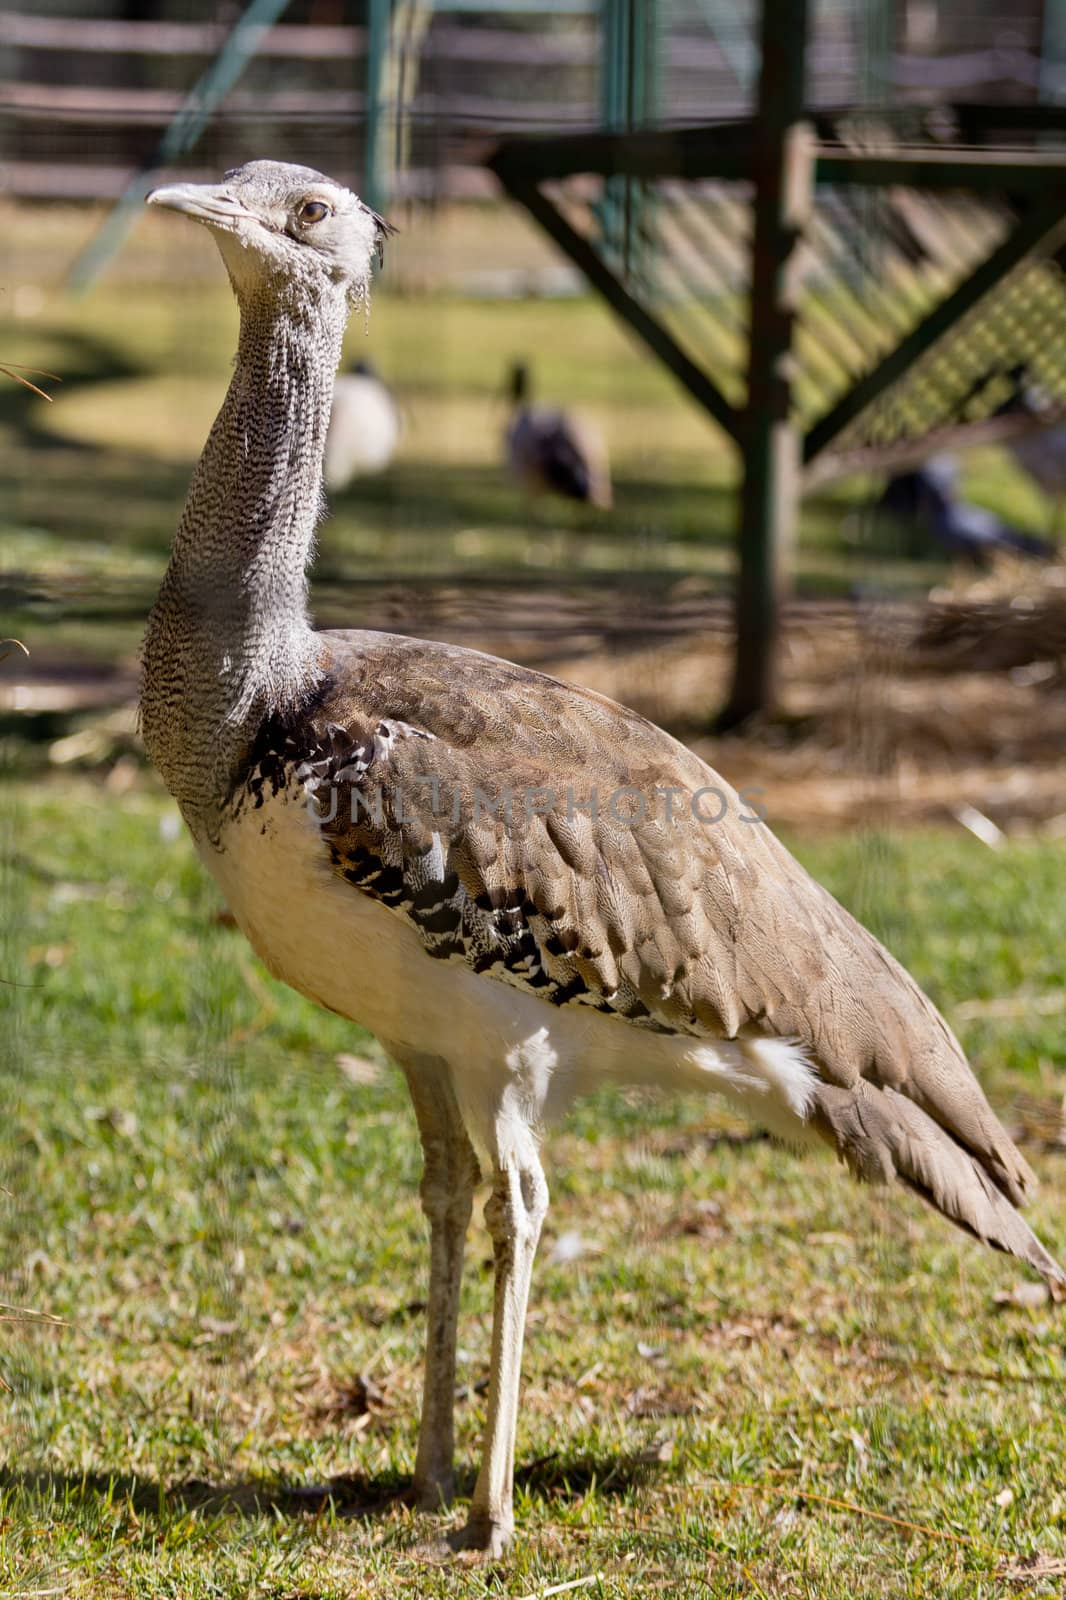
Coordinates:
<point>725,150</point>
<point>114,36</point>
<point>904,454</point>
<point>702,388</point>
<point>718,150</point>
<point>1045,224</point>
<point>981,170</point>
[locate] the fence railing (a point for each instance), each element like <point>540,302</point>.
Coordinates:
<point>82,101</point>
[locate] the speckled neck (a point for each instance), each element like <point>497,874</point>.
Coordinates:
<point>229,640</point>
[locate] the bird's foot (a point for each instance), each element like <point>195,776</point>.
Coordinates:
<point>486,1538</point>
<point>478,1543</point>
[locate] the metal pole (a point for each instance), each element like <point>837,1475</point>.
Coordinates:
<point>188,123</point>
<point>614,44</point>
<point>629,72</point>
<point>379,16</point>
<point>1053,53</point>
<point>783,167</point>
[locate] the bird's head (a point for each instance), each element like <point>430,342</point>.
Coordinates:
<point>280,226</point>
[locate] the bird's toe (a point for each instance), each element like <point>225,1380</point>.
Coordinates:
<point>486,1538</point>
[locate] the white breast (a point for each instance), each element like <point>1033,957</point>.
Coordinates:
<point>339,947</point>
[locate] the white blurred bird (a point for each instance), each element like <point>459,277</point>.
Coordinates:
<point>364,427</point>
<point>552,452</point>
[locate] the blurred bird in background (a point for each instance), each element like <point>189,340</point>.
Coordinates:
<point>364,427</point>
<point>1042,452</point>
<point>927,501</point>
<point>550,451</point>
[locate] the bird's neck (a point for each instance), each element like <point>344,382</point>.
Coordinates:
<point>229,639</point>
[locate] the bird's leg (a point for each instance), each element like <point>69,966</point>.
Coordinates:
<point>514,1213</point>
<point>449,1175</point>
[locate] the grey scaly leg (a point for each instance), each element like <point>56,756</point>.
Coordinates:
<point>515,1213</point>
<point>449,1175</point>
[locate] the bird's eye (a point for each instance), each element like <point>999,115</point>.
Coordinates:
<point>314,211</point>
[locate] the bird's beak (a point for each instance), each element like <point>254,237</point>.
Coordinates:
<point>204,201</point>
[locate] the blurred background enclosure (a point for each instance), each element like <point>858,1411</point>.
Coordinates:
<point>408,103</point>
<point>917,303</point>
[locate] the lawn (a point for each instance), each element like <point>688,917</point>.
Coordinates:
<point>212,1187</point>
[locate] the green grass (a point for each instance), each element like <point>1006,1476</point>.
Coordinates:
<point>228,1227</point>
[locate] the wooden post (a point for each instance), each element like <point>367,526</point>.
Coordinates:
<point>783,172</point>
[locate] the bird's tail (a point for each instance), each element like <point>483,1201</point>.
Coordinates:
<point>1027,544</point>
<point>882,1135</point>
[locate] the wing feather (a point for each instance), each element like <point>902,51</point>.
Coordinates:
<point>661,919</point>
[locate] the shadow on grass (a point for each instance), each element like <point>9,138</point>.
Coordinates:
<point>81,360</point>
<point>466,495</point>
<point>561,1478</point>
<point>556,1478</point>
<point>349,1496</point>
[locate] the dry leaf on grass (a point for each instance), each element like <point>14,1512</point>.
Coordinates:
<point>117,1118</point>
<point>48,955</point>
<point>1027,1296</point>
<point>1030,1569</point>
<point>359,1070</point>
<point>570,1246</point>
<point>359,1398</point>
<point>656,1454</point>
<point>648,1401</point>
<point>564,1588</point>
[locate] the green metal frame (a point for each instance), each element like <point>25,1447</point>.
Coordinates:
<point>1035,180</point>
<point>629,95</point>
<point>1042,226</point>
<point>379,18</point>
<point>1053,50</point>
<point>778,153</point>
<point>188,123</point>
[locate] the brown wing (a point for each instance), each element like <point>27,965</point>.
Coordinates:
<point>524,827</point>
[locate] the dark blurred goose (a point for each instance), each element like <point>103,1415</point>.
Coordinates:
<point>552,452</point>
<point>926,498</point>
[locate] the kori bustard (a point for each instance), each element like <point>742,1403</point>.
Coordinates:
<point>520,887</point>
